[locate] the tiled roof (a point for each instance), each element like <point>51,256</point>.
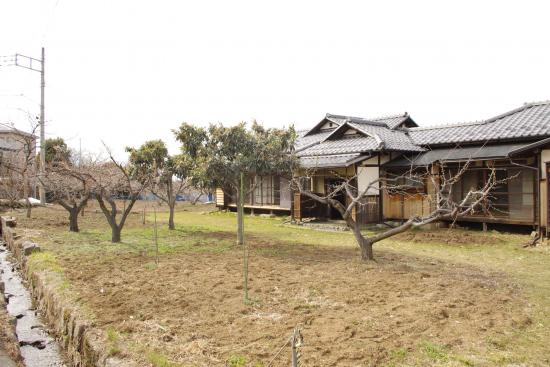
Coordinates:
<point>375,136</point>
<point>458,154</point>
<point>397,140</point>
<point>528,123</point>
<point>303,142</point>
<point>330,161</point>
<point>390,122</point>
<point>532,120</point>
<point>345,145</point>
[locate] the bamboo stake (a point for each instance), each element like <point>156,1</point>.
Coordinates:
<point>156,238</point>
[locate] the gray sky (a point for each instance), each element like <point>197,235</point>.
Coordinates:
<point>128,71</point>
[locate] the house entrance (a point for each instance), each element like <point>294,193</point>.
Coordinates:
<point>331,184</point>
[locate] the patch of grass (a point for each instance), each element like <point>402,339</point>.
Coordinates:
<point>112,335</point>
<point>434,351</point>
<point>236,360</point>
<point>465,361</point>
<point>398,354</point>
<point>44,260</point>
<point>160,360</point>
<point>113,339</point>
<point>150,266</point>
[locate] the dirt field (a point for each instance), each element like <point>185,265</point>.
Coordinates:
<point>414,306</point>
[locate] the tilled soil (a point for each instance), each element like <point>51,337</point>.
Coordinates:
<point>191,308</point>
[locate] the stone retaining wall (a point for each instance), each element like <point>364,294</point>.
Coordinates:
<point>83,344</point>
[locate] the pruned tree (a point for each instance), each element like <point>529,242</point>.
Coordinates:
<point>444,207</point>
<point>69,184</point>
<point>112,181</point>
<point>169,175</point>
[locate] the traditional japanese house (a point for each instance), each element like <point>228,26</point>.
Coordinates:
<point>516,144</point>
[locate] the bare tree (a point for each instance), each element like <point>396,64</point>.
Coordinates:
<point>19,163</point>
<point>111,181</point>
<point>198,194</point>
<point>444,207</point>
<point>70,185</point>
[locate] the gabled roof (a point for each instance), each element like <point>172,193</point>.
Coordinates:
<point>382,133</point>
<point>532,120</point>
<point>393,122</point>
<point>303,142</point>
<point>390,122</point>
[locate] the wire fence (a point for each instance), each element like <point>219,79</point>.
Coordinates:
<point>295,341</point>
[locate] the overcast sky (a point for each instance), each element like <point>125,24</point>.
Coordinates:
<point>127,71</point>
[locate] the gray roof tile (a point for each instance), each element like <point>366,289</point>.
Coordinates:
<point>457,154</point>
<point>529,121</point>
<point>345,145</point>
<point>330,161</point>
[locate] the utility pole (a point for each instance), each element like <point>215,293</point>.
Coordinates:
<point>42,132</point>
<point>31,64</point>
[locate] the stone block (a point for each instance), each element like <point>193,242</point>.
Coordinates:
<point>29,247</point>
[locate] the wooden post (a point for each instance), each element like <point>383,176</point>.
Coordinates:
<point>295,344</point>
<point>243,243</point>
<point>156,238</point>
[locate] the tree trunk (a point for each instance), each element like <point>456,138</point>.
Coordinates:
<point>26,195</point>
<point>171,206</point>
<point>364,244</point>
<point>366,250</point>
<point>29,208</point>
<point>196,199</point>
<point>73,220</point>
<point>115,234</point>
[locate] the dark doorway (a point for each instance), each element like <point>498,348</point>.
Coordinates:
<point>331,184</point>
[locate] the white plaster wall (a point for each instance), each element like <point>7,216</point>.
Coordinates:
<point>372,160</point>
<point>367,175</point>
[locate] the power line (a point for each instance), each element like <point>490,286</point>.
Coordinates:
<point>8,60</point>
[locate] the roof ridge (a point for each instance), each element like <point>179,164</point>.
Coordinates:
<point>525,106</point>
<point>406,114</point>
<point>351,118</point>
<point>444,126</point>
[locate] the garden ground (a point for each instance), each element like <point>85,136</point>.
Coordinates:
<point>442,298</point>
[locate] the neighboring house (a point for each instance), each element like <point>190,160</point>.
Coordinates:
<point>14,147</point>
<point>17,149</point>
<point>516,142</point>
